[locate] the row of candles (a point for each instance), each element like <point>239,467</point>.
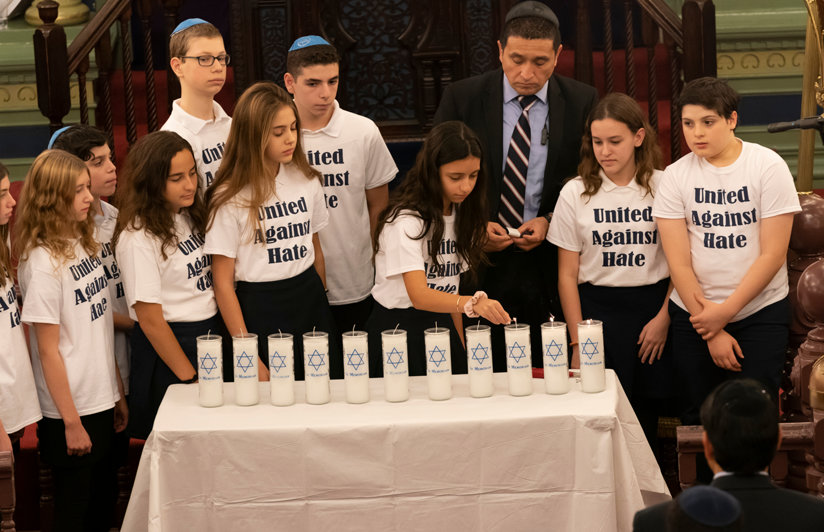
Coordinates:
<point>396,366</point>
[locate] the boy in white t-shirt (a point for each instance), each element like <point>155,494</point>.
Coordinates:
<point>199,60</point>
<point>725,213</point>
<point>356,165</point>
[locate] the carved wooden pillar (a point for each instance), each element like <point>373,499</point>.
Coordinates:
<point>7,497</point>
<point>171,8</point>
<point>583,44</point>
<point>51,66</point>
<point>811,298</point>
<point>698,18</point>
<point>144,12</point>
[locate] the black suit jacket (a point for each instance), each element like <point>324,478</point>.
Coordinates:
<point>766,507</point>
<point>478,102</point>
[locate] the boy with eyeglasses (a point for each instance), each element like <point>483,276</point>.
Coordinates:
<point>199,60</point>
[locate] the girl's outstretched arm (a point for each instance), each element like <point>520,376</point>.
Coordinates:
<point>425,298</point>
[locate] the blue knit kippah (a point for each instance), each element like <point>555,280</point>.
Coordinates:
<point>709,506</point>
<point>307,41</point>
<point>55,135</point>
<point>188,23</point>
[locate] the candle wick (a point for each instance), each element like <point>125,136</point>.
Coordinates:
<point>313,330</point>
<point>551,317</point>
<point>353,329</point>
<point>479,323</point>
<point>436,326</point>
<point>209,334</point>
<point>396,329</point>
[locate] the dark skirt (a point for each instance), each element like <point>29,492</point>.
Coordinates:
<point>296,305</point>
<point>414,322</point>
<point>624,312</point>
<point>150,376</point>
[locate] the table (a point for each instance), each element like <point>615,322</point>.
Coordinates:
<point>552,462</point>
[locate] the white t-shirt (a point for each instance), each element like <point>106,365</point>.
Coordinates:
<point>181,284</point>
<point>19,406</point>
<point>353,158</point>
<point>613,231</point>
<point>723,209</point>
<point>284,249</point>
<point>400,253</point>
<point>104,225</point>
<point>207,137</point>
<point>74,295</point>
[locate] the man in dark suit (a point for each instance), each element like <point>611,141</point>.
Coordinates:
<point>523,270</point>
<point>741,435</point>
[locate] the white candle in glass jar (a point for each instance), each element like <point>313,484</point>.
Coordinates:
<point>479,360</point>
<point>591,350</point>
<point>395,365</point>
<point>281,369</point>
<point>518,358</point>
<point>556,370</point>
<point>210,370</point>
<point>245,349</point>
<point>316,367</point>
<point>438,363</point>
<point>356,366</point>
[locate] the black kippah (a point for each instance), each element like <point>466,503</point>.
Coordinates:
<point>709,506</point>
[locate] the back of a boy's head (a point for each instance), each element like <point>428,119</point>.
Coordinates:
<point>740,418</point>
<point>79,140</point>
<point>320,54</point>
<point>180,42</point>
<point>711,93</point>
<point>4,172</point>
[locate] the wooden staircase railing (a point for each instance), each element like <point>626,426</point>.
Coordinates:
<point>6,492</point>
<point>689,43</point>
<point>55,63</point>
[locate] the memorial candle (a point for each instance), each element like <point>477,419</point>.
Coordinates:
<point>395,365</point>
<point>438,363</point>
<point>281,369</point>
<point>556,370</point>
<point>591,346</point>
<point>518,358</point>
<point>245,349</point>
<point>316,367</point>
<point>479,360</point>
<point>210,370</point>
<point>356,366</point>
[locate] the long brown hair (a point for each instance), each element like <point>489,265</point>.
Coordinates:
<point>46,214</point>
<point>421,192</point>
<point>244,162</point>
<point>6,272</point>
<point>142,203</point>
<point>624,109</point>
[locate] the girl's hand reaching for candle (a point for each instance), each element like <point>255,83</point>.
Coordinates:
<point>492,311</point>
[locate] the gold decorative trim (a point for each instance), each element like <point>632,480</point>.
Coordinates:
<point>770,63</point>
<point>23,97</point>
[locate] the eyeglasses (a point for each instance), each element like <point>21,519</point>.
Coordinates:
<point>208,60</point>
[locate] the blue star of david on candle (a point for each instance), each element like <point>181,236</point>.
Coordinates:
<point>316,360</point>
<point>394,357</point>
<point>355,360</point>
<point>589,348</point>
<point>244,362</point>
<point>278,362</point>
<point>516,356</point>
<point>553,350</point>
<point>483,356</point>
<point>437,356</point>
<point>208,363</point>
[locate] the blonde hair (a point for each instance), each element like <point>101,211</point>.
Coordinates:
<point>46,212</point>
<point>179,42</point>
<point>244,161</point>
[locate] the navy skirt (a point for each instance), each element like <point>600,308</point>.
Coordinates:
<point>625,310</point>
<point>150,376</point>
<point>414,322</point>
<point>295,305</point>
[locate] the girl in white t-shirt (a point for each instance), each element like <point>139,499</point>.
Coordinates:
<point>68,305</point>
<point>18,397</point>
<point>166,275</point>
<point>266,207</point>
<point>611,266</point>
<point>432,231</point>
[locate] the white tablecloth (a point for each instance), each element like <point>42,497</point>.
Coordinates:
<point>550,462</point>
